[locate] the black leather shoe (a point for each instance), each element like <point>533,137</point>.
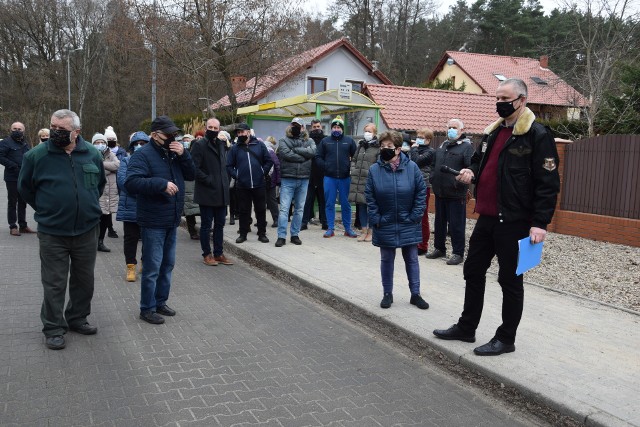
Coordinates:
<point>421,251</point>
<point>454,260</point>
<point>102,247</point>
<point>419,302</point>
<point>454,333</point>
<point>280,242</point>
<point>232,221</point>
<point>112,233</point>
<point>304,227</point>
<point>437,253</point>
<point>55,343</point>
<point>241,238</point>
<point>325,226</point>
<point>494,348</point>
<point>263,238</point>
<point>151,317</point>
<point>387,300</point>
<point>296,240</point>
<point>84,329</point>
<point>165,310</point>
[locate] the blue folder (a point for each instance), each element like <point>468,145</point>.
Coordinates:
<point>529,255</point>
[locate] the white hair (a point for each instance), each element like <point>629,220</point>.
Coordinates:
<point>63,114</point>
<point>458,121</point>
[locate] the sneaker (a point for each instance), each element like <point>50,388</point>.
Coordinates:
<point>241,238</point>
<point>280,242</point>
<point>350,233</point>
<point>328,233</point>
<point>387,300</point>
<point>55,343</point>
<point>151,317</point>
<point>262,238</point>
<point>296,240</point>
<point>131,272</point>
<point>419,302</point>
<point>223,260</point>
<point>454,260</point>
<point>112,233</point>
<point>165,310</point>
<point>437,253</point>
<point>209,260</point>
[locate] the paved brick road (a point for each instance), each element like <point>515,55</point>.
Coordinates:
<point>243,350</point>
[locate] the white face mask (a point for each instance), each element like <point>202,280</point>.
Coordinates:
<point>101,147</point>
<point>186,144</point>
<point>368,136</point>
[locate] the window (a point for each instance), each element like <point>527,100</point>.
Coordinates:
<point>356,85</point>
<point>500,77</point>
<point>316,84</point>
<point>539,80</point>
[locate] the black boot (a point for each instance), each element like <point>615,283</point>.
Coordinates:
<point>102,247</point>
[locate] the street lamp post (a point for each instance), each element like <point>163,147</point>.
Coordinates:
<point>69,52</point>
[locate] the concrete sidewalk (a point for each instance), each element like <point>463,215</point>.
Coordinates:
<point>577,356</point>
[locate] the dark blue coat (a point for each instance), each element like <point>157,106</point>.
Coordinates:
<point>127,205</point>
<point>249,163</point>
<point>396,203</point>
<point>333,156</point>
<point>148,173</point>
<point>11,154</point>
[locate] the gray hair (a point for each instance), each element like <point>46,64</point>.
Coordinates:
<point>63,114</point>
<point>519,85</point>
<point>459,122</point>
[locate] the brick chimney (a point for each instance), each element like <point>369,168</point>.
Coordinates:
<point>238,83</point>
<point>544,61</point>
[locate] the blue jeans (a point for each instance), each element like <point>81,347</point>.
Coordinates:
<point>217,214</point>
<point>291,189</point>
<point>158,259</point>
<point>410,255</point>
<point>332,187</point>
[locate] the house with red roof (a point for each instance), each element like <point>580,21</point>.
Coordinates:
<point>549,95</point>
<point>316,70</point>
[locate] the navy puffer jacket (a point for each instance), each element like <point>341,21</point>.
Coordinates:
<point>396,203</point>
<point>150,169</point>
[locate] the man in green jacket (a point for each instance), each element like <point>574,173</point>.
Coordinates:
<point>62,179</point>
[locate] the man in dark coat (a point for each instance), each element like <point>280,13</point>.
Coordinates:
<point>211,191</point>
<point>12,149</point>
<point>156,176</point>
<point>315,191</point>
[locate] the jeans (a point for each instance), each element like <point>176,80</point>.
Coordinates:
<point>451,212</point>
<point>291,190</point>
<point>491,238</point>
<point>158,257</point>
<point>363,215</point>
<point>62,259</point>
<point>217,214</point>
<point>410,256</point>
<point>257,196</point>
<point>332,187</point>
<point>426,231</point>
<point>15,205</point>
<point>314,192</point>
<point>131,238</point>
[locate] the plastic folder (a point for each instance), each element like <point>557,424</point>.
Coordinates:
<point>529,255</point>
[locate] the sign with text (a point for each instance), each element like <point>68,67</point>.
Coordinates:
<point>344,91</point>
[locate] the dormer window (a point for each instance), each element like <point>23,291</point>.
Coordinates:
<point>500,77</point>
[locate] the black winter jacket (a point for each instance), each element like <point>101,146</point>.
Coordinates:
<point>528,179</point>
<point>456,156</point>
<point>212,180</point>
<point>11,154</point>
<point>423,156</point>
<point>249,163</point>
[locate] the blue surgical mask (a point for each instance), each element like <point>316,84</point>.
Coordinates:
<point>452,133</point>
<point>336,133</point>
<point>101,147</point>
<point>186,144</point>
<point>137,147</point>
<point>420,141</point>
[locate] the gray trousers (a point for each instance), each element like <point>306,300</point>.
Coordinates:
<point>62,259</point>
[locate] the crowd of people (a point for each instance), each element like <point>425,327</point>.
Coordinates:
<point>153,180</point>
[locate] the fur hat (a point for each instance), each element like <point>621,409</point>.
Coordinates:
<point>97,137</point>
<point>110,134</point>
<point>338,121</point>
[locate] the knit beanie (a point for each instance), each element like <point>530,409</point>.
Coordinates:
<point>338,121</point>
<point>110,134</point>
<point>98,136</point>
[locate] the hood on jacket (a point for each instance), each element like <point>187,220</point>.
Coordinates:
<point>303,133</point>
<point>522,126</point>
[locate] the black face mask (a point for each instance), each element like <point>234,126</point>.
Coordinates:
<point>242,139</point>
<point>43,139</point>
<point>17,135</point>
<point>111,144</point>
<point>505,108</point>
<point>387,154</point>
<point>168,142</point>
<point>211,135</point>
<point>295,131</point>
<point>60,137</point>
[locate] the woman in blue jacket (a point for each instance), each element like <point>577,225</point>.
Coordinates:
<point>395,194</point>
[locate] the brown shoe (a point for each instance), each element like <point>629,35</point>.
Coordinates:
<point>223,260</point>
<point>209,260</point>
<point>26,230</point>
<point>14,232</point>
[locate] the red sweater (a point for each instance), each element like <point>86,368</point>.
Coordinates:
<point>487,186</point>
